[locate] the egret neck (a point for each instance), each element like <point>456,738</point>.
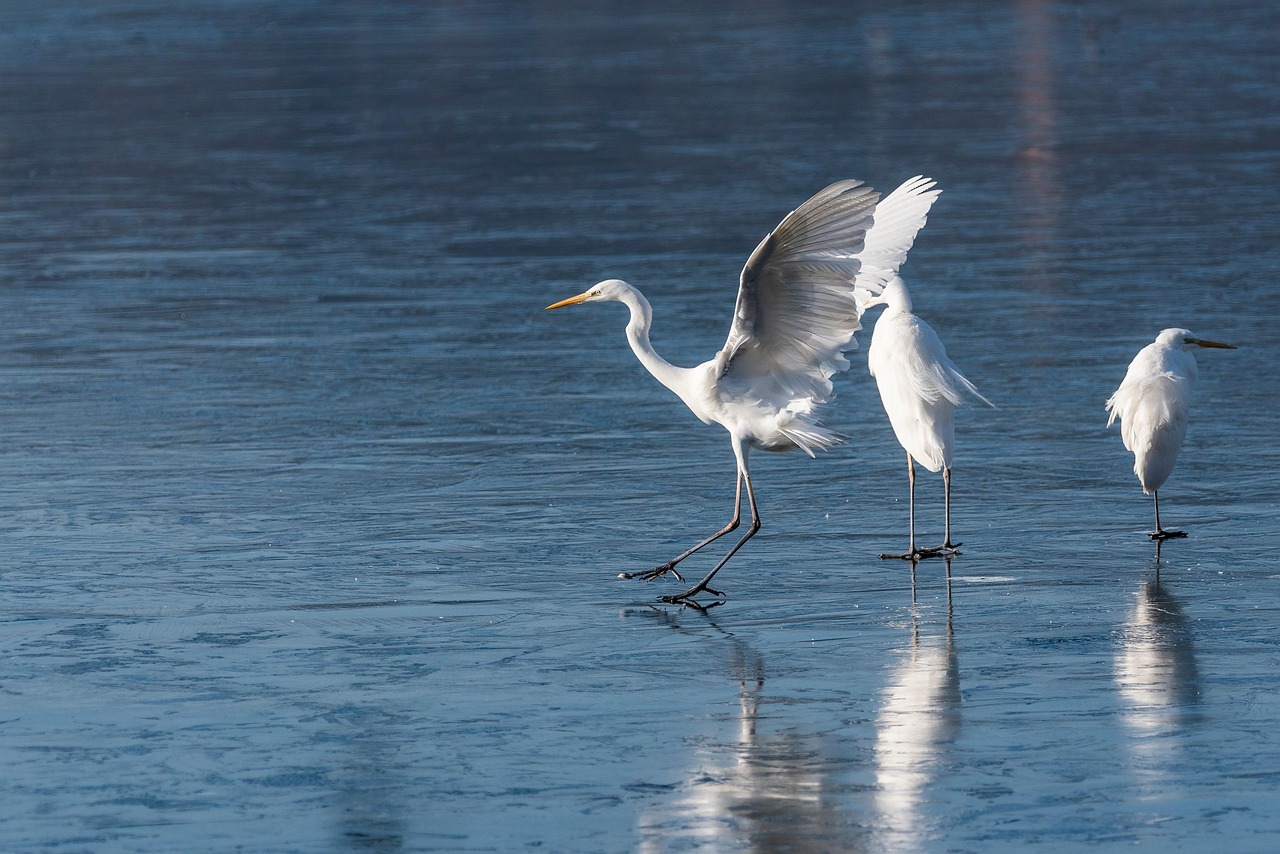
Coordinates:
<point>671,376</point>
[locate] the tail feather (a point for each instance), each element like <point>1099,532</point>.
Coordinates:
<point>809,436</point>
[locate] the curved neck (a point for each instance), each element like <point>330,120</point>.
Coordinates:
<point>896,295</point>
<point>638,336</point>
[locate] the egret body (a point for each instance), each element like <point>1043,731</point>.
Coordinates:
<point>797,311</point>
<point>1152,404</point>
<point>920,388</point>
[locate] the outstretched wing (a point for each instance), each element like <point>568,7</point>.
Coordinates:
<point>897,221</point>
<point>796,313</point>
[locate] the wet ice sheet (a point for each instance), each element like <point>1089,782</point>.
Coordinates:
<point>311,517</point>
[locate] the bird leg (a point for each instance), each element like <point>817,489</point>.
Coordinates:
<point>912,554</point>
<point>670,566</point>
<point>1160,533</point>
<point>686,598</point>
<point>947,549</point>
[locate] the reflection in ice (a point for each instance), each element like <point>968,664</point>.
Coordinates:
<point>368,806</point>
<point>301,552</point>
<point>920,714</point>
<point>1038,123</point>
<point>760,792</point>
<point>1155,672</point>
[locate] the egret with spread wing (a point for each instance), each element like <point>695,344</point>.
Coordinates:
<point>797,311</point>
<point>920,389</point>
<point>1152,404</point>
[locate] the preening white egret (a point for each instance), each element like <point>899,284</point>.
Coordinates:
<point>1152,405</point>
<point>798,308</point>
<point>920,388</point>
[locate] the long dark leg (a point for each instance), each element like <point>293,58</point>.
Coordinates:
<point>686,598</point>
<point>912,553</point>
<point>670,566</point>
<point>1160,533</point>
<point>911,506</point>
<point>947,549</point>
<point>946,487</point>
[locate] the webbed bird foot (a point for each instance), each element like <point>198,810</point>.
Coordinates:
<point>656,572</point>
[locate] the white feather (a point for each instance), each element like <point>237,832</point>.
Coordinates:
<point>919,385</point>
<point>1152,404</point>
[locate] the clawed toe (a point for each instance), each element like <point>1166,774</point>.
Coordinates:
<point>922,554</point>
<point>686,598</point>
<point>1166,535</point>
<point>656,572</point>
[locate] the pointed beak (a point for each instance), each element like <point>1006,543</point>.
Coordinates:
<point>1217,345</point>
<point>582,297</point>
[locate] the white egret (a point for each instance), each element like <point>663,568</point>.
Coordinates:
<point>1152,404</point>
<point>797,311</point>
<point>920,388</point>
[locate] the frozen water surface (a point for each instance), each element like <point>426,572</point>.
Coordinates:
<point>311,516</point>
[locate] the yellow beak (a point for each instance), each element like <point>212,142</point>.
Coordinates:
<point>582,297</point>
<point>1216,344</point>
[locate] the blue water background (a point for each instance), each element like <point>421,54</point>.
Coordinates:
<point>310,516</point>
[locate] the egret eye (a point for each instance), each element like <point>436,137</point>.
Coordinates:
<point>596,292</point>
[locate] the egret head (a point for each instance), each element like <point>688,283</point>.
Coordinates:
<point>610,290</point>
<point>1183,339</point>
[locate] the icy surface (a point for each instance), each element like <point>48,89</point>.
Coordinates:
<point>311,518</point>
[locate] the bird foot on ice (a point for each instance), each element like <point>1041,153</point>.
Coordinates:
<point>656,572</point>
<point>686,598</point>
<point>922,554</point>
<point>1166,535</point>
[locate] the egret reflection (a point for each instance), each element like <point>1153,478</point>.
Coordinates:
<point>756,790</point>
<point>369,808</point>
<point>1156,675</point>
<point>919,715</point>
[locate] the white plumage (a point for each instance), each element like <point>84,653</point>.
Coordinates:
<point>797,311</point>
<point>920,388</point>
<point>1152,404</point>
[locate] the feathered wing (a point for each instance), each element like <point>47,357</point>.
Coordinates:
<point>897,220</point>
<point>795,317</point>
<point>919,385</point>
<point>1152,405</point>
<point>932,373</point>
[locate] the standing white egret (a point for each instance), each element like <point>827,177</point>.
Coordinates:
<point>920,388</point>
<point>797,311</point>
<point>1152,405</point>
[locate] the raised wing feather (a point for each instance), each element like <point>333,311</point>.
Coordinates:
<point>796,315</point>
<point>897,221</point>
